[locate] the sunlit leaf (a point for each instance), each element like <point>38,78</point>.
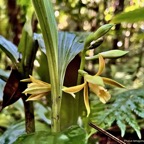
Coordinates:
<point>131,16</point>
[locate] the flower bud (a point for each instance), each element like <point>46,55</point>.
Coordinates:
<point>98,33</point>
<point>102,30</point>
<point>109,54</point>
<point>96,43</point>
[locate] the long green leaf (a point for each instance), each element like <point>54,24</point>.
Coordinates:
<point>46,17</point>
<point>45,14</point>
<point>10,49</point>
<point>131,16</point>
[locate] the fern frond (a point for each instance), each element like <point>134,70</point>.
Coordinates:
<point>125,109</point>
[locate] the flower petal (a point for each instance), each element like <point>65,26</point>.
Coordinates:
<point>94,79</point>
<point>37,90</point>
<point>101,92</point>
<point>26,80</point>
<point>38,81</point>
<point>112,82</point>
<point>101,65</point>
<point>74,89</point>
<point>36,97</point>
<point>86,99</point>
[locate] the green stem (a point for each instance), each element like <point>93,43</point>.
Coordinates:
<point>56,105</point>
<point>82,65</point>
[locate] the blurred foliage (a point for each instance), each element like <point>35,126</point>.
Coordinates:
<point>125,109</point>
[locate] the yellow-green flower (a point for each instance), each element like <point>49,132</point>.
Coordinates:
<point>96,85</point>
<point>37,88</point>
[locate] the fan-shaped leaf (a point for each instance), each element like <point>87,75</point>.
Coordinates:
<point>69,46</point>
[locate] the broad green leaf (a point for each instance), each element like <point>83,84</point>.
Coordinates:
<point>73,135</point>
<point>9,49</point>
<point>76,135</point>
<point>131,16</point>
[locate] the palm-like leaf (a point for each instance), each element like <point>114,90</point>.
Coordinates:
<point>69,46</point>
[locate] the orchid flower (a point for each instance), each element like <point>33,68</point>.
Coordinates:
<point>36,88</point>
<point>96,85</point>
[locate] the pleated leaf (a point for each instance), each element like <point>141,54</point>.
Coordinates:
<point>69,46</point>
